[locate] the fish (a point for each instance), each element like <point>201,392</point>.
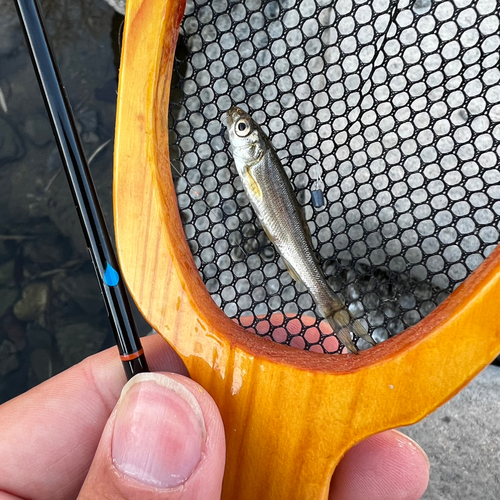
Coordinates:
<point>274,201</point>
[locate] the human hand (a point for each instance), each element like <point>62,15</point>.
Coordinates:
<point>164,440</point>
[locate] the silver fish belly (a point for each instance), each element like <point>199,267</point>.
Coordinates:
<point>273,199</point>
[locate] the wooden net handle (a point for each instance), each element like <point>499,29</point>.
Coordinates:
<point>289,415</point>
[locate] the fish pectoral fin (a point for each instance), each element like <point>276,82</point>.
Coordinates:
<point>252,184</point>
<point>291,270</point>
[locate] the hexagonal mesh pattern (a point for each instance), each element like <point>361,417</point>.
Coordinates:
<point>392,109</point>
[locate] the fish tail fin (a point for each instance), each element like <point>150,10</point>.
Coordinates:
<point>343,324</point>
<point>342,333</point>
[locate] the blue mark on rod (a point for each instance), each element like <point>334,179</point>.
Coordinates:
<point>111,277</point>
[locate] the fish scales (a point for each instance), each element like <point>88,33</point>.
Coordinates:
<point>281,216</point>
<point>273,199</point>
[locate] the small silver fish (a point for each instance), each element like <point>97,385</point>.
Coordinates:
<point>274,201</point>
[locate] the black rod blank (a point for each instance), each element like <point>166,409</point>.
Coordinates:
<point>82,188</point>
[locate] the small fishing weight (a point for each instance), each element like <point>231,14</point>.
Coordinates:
<point>317,196</point>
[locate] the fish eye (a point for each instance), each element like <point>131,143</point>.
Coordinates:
<point>242,127</point>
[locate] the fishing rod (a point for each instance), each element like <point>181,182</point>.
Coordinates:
<point>82,188</point>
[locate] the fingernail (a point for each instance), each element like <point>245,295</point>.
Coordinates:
<point>159,431</point>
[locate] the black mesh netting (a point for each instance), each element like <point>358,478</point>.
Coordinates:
<point>392,110</point>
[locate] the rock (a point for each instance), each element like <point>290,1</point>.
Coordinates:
<point>118,5</point>
<point>54,162</point>
<point>107,92</point>
<point>7,298</point>
<point>15,61</point>
<point>15,331</point>
<point>462,441</point>
<point>63,214</point>
<point>91,138</point>
<point>87,124</point>
<point>7,272</point>
<point>83,289</point>
<point>33,302</point>
<point>78,341</point>
<point>61,207</point>
<point>22,190</point>
<point>4,251</point>
<point>38,338</point>
<point>50,249</point>
<point>38,130</point>
<point>8,358</point>
<point>11,145</point>
<point>41,363</point>
<point>12,36</point>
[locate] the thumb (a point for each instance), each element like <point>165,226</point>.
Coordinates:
<point>164,440</point>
